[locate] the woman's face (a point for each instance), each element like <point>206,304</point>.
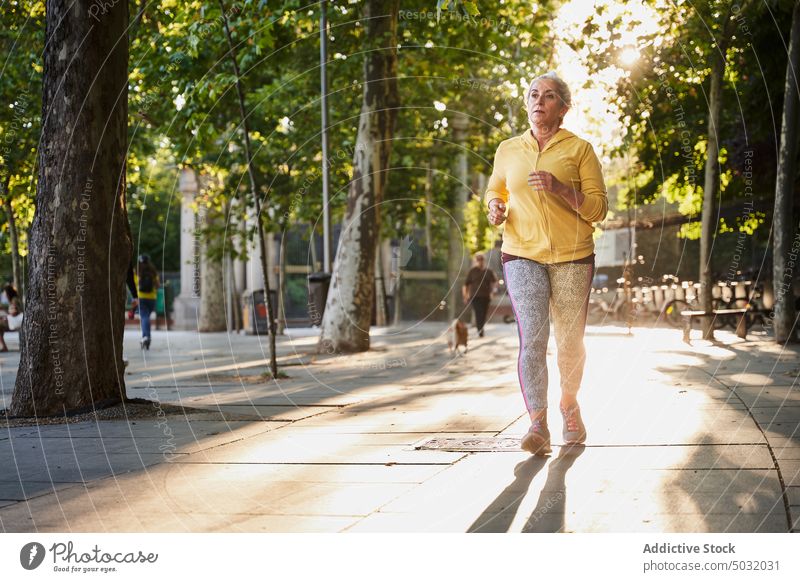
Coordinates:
<point>545,107</point>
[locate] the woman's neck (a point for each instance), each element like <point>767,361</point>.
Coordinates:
<point>543,134</point>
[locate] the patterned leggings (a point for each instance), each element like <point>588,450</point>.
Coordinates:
<point>535,290</point>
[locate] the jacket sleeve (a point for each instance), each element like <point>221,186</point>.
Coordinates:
<point>595,203</point>
<point>497,181</point>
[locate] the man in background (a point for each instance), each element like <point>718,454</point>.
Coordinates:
<point>479,286</point>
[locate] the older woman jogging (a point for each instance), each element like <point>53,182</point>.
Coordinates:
<point>547,186</point>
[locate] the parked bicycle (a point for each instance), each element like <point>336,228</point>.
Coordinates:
<point>602,308</point>
<point>673,309</point>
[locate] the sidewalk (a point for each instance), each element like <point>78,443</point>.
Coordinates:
<point>406,438</point>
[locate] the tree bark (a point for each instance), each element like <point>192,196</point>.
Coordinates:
<point>281,326</point>
<point>381,311</point>
<point>273,361</point>
<point>79,244</point>
<point>429,212</point>
<point>785,317</point>
<point>348,309</point>
<point>234,294</point>
<point>398,306</point>
<point>709,218</point>
<point>458,261</point>
<point>212,282</point>
<point>16,267</point>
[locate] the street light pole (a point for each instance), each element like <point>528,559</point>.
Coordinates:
<point>326,215</point>
<point>458,261</point>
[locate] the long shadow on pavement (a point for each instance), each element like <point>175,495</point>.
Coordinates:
<point>499,515</point>
<point>548,516</point>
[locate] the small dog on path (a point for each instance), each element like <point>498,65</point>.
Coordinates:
<point>457,335</point>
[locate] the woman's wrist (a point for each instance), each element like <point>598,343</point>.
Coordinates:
<point>572,196</point>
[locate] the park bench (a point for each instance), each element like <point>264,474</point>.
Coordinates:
<point>741,325</point>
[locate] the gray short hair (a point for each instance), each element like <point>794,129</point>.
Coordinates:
<point>561,87</point>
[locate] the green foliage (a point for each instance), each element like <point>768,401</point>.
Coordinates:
<point>154,209</point>
<point>662,102</point>
<point>21,44</point>
<point>466,8</point>
<point>479,234</point>
<point>183,109</point>
<point>468,61</point>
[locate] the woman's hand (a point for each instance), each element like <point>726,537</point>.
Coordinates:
<point>497,212</point>
<point>547,182</point>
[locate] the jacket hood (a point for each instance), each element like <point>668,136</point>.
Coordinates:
<point>561,135</point>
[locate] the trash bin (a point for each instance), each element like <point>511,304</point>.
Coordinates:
<point>318,284</point>
<point>160,306</point>
<point>255,318</point>
<point>160,302</point>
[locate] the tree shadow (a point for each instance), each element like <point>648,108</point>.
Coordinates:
<point>723,505</point>
<point>724,497</point>
<point>757,399</point>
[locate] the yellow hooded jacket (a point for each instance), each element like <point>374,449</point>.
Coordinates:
<point>540,225</point>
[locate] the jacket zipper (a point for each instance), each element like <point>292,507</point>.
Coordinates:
<point>545,208</point>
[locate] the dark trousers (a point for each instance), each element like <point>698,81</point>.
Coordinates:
<point>146,307</point>
<point>481,306</point>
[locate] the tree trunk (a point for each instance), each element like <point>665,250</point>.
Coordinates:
<point>348,309</point>
<point>458,261</point>
<point>212,314</point>
<point>429,212</point>
<point>79,244</point>
<point>16,267</point>
<point>228,283</point>
<point>783,225</point>
<point>235,296</point>
<point>281,326</point>
<point>212,276</point>
<point>239,270</point>
<point>273,361</point>
<point>709,218</point>
<point>312,241</point>
<point>398,315</point>
<point>381,311</point>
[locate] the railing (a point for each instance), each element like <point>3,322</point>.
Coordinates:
<point>649,303</point>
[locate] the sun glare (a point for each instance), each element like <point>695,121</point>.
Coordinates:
<point>593,114</point>
<point>629,56</point>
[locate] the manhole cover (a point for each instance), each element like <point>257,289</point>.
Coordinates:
<point>470,444</point>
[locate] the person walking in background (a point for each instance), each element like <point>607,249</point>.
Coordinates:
<point>547,186</point>
<point>146,279</point>
<point>478,289</point>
